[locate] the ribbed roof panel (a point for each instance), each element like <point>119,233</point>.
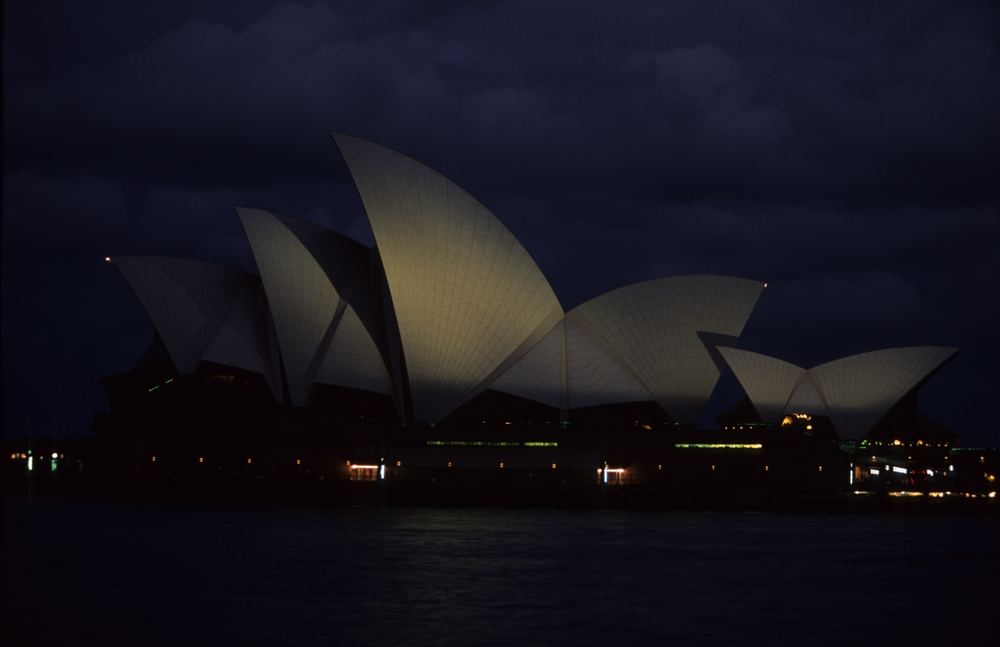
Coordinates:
<point>768,382</point>
<point>654,327</point>
<point>186,300</point>
<point>465,292</point>
<point>860,389</point>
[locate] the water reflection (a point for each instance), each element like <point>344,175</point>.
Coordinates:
<point>268,575</point>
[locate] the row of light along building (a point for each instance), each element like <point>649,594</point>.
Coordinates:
<point>442,357</point>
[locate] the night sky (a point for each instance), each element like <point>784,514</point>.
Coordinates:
<point>846,154</point>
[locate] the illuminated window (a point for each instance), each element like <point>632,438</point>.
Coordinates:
<point>364,472</point>
<point>718,445</point>
<point>614,476</point>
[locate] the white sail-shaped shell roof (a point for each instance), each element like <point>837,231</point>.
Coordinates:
<point>655,327</point>
<point>595,374</point>
<point>468,298</point>
<point>860,389</point>
<point>807,398</point>
<point>768,381</point>
<point>307,308</point>
<point>243,339</point>
<point>640,342</point>
<point>186,300</point>
<point>540,374</point>
<point>854,391</point>
<point>204,312</point>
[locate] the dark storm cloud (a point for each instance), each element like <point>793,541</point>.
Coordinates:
<point>844,152</point>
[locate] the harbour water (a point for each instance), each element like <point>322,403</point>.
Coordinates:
<point>79,571</point>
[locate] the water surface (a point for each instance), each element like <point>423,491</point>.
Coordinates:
<point>86,571</point>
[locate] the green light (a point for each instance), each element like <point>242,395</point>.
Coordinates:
<point>489,443</point>
<point>153,388</point>
<point>718,445</point>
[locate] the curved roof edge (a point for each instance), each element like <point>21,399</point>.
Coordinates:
<point>309,313</point>
<point>457,277</point>
<point>656,328</point>
<point>856,391</point>
<point>767,381</point>
<point>860,389</point>
<point>203,312</point>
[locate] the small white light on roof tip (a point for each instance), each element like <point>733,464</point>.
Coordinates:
<point>107,259</point>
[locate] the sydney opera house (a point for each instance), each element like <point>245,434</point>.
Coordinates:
<point>444,351</point>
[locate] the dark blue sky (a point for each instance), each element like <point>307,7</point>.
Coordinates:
<point>844,152</point>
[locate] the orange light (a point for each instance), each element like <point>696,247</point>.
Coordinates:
<point>449,463</point>
<point>153,459</point>
<point>553,465</point>
<point>364,467</point>
<point>249,461</point>
<point>399,463</point>
<point>298,461</point>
